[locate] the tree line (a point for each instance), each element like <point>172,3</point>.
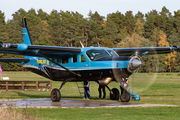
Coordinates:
<point>66,28</point>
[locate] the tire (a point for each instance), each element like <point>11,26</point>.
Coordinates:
<point>55,95</point>
<point>125,97</point>
<point>115,95</point>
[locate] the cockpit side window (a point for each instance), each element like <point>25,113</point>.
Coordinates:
<point>83,59</point>
<point>95,54</point>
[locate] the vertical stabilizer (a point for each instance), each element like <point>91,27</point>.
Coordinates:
<point>26,35</point>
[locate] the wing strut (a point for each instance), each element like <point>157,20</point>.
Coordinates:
<point>57,64</point>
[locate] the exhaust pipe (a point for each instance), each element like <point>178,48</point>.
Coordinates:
<point>105,82</point>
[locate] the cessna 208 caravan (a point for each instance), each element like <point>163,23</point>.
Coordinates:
<point>73,64</point>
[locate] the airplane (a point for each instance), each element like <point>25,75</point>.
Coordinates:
<point>72,64</point>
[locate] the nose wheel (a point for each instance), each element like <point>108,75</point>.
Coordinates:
<point>125,96</point>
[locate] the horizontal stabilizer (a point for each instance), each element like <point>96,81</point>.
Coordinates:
<point>15,60</point>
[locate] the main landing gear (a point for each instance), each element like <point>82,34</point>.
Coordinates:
<point>114,94</point>
<point>56,94</point>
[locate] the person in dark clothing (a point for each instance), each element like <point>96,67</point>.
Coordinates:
<point>86,90</point>
<point>104,91</point>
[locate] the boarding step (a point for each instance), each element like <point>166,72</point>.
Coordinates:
<point>83,88</point>
<point>80,89</point>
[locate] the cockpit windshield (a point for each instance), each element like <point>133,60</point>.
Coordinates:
<point>95,54</point>
<point>113,53</point>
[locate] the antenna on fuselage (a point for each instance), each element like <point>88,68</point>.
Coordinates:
<point>81,44</point>
<point>98,44</point>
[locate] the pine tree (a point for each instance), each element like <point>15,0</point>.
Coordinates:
<point>129,22</point>
<point>150,23</point>
<point>111,31</point>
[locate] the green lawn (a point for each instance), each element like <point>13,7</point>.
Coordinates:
<point>159,88</point>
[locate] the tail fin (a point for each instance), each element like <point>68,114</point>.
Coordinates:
<point>26,35</point>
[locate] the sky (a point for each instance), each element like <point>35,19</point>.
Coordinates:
<point>103,7</point>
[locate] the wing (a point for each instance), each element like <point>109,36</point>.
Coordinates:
<point>30,50</point>
<point>145,50</point>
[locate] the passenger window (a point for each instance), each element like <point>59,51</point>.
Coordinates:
<point>47,62</point>
<point>52,62</point>
<point>65,59</point>
<point>58,60</point>
<point>74,57</point>
<point>83,59</point>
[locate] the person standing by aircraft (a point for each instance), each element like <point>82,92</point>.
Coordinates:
<point>104,92</point>
<point>86,90</point>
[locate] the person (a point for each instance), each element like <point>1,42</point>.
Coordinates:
<point>104,92</point>
<point>86,90</point>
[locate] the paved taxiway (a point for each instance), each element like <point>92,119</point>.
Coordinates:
<point>68,103</point>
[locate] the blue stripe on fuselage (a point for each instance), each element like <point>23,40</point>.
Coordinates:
<point>93,65</point>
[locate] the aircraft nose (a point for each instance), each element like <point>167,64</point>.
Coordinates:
<point>133,64</point>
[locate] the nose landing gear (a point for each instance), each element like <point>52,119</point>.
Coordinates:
<point>125,95</point>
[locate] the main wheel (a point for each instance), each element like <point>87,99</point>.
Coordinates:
<point>55,95</point>
<point>125,97</point>
<point>115,95</point>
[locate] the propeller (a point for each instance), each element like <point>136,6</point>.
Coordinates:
<point>135,75</point>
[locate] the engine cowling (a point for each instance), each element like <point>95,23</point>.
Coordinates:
<point>134,63</point>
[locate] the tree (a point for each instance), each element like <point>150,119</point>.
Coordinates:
<point>123,34</point>
<point>129,22</point>
<point>139,15</point>
<point>133,40</point>
<point>43,15</point>
<point>55,28</point>
<point>117,18</point>
<point>96,31</point>
<point>139,27</point>
<point>162,40</point>
<point>85,29</point>
<point>3,34</point>
<point>107,43</point>
<point>177,21</point>
<point>111,31</point>
<point>150,23</point>
<point>43,40</point>
<point>165,21</point>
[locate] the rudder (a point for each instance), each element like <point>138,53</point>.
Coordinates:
<point>26,34</point>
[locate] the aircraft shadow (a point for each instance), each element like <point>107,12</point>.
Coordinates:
<point>31,96</point>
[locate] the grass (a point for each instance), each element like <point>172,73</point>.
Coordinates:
<point>165,113</point>
<point>159,88</point>
<point>11,113</point>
